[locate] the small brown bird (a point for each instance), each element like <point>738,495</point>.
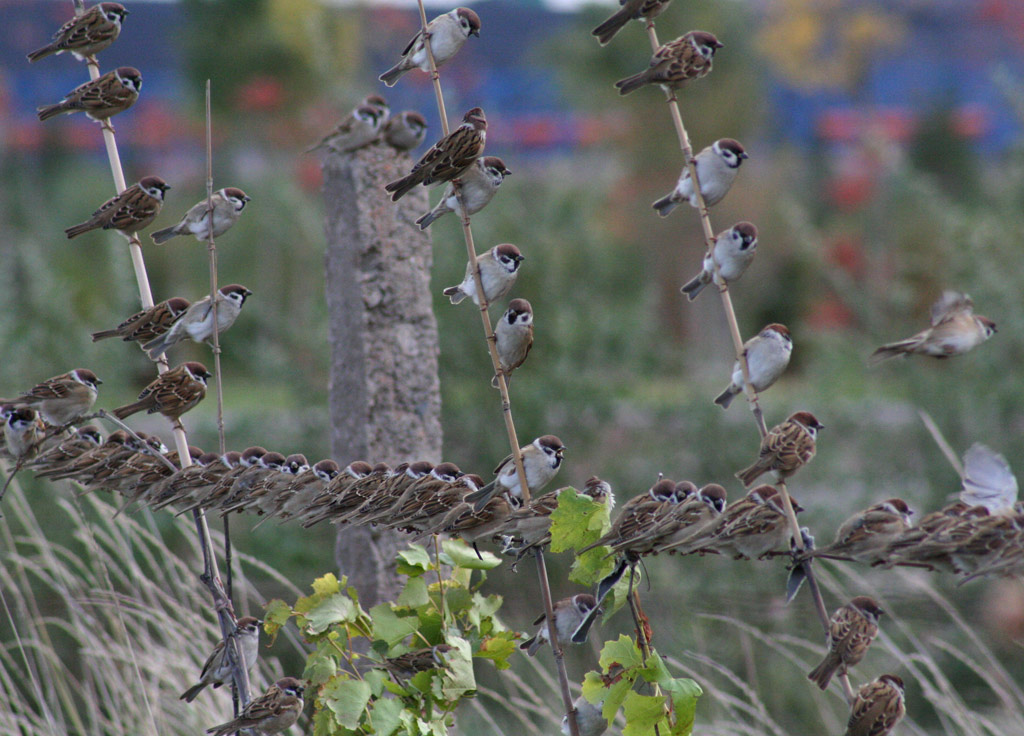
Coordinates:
<point>676,63</point>
<point>172,394</point>
<point>406,665</point>
<point>513,337</point>
<point>99,99</point>
<point>61,399</point>
<point>638,515</point>
<point>271,713</point>
<point>359,128</point>
<point>448,158</point>
<point>447,32</point>
<point>132,210</point>
<point>787,448</point>
<point>23,434</point>
<point>851,630</point>
<point>86,34</point>
<point>878,707</point>
<point>646,10</point>
<point>866,536</point>
<point>480,183</point>
<point>569,614</point>
<point>406,130</point>
<point>197,322</point>
<point>498,267</point>
<point>955,330</point>
<point>216,670</point>
<point>148,324</point>
<point>541,460</point>
<point>228,204</point>
<point>83,440</point>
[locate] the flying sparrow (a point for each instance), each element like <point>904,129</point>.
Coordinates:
<point>787,448</point>
<point>866,535</point>
<point>217,671</point>
<point>717,166</point>
<point>271,713</point>
<point>851,630</point>
<point>448,158</point>
<point>147,324</point>
<point>541,460</point>
<point>61,399</point>
<point>406,131</point>
<point>498,267</point>
<point>646,10</point>
<point>955,330</point>
<point>480,182</point>
<point>447,34</point>
<point>228,204</point>
<point>132,210</point>
<point>197,323</point>
<point>988,480</point>
<point>589,719</point>
<point>569,614</point>
<point>101,98</point>
<point>877,708</point>
<point>513,337</point>
<point>732,252</point>
<point>86,34</point>
<point>172,394</point>
<point>359,128</point>
<point>767,356</point>
<point>676,63</point>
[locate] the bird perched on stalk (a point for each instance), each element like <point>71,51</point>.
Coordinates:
<point>569,614</point>
<point>359,128</point>
<point>642,10</point>
<point>731,253</point>
<point>61,399</point>
<point>866,535</point>
<point>767,355</point>
<point>227,203</point>
<point>676,63</point>
<point>787,448</point>
<point>217,670</point>
<point>447,32</point>
<point>513,337</point>
<point>87,34</point>
<point>878,707</point>
<point>271,713</point>
<point>541,460</point>
<point>197,322</point>
<point>499,268</point>
<point>405,131</point>
<point>172,394</point>
<point>479,185</point>
<point>955,330</point>
<point>148,324</point>
<point>717,166</point>
<point>132,210</point>
<point>100,99</point>
<point>851,630</point>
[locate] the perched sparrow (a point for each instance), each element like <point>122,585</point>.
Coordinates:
<point>83,440</point>
<point>865,536</point>
<point>513,337</point>
<point>498,267</point>
<point>682,506</point>
<point>988,480</point>
<point>473,524</point>
<point>388,492</point>
<point>147,324</point>
<point>375,100</point>
<point>637,516</point>
<point>447,34</point>
<point>690,518</point>
<point>717,166</point>
<point>86,34</point>
<point>92,477</point>
<point>130,211</point>
<point>530,527</point>
<point>480,182</point>
<point>347,492</point>
<point>271,713</point>
<point>228,204</point>
<point>237,491</point>
<point>589,719</point>
<point>305,488</point>
<point>851,630</point>
<point>930,525</point>
<point>197,323</point>
<point>422,481</point>
<point>448,158</point>
<point>732,252</point>
<point>172,394</point>
<point>936,551</point>
<point>359,128</point>
<point>877,708</point>
<point>115,444</point>
<point>217,671</point>
<point>676,63</point>
<point>646,10</point>
<point>278,472</point>
<point>205,469</point>
<point>541,460</point>
<point>992,537</point>
<point>569,614</point>
<point>406,131</point>
<point>787,448</point>
<point>767,356</point>
<point>763,529</point>
<point>23,433</point>
<point>61,399</point>
<point>427,513</point>
<point>99,99</point>
<point>955,330</point>
<point>418,660</point>
<point>215,485</point>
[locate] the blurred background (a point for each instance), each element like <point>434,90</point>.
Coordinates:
<point>885,166</point>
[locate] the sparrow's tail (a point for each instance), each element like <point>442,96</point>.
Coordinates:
<point>665,205</point>
<point>607,30</point>
<point>76,230</point>
<point>725,398</point>
<point>822,674</point>
<point>891,350</point>
<point>162,236</point>
<point>158,346</point>
<point>50,111</point>
<point>454,294</point>
<point>749,475</point>
<point>128,409</point>
<point>391,75</point>
<point>41,53</point>
<point>481,497</point>
<point>400,187</point>
<point>693,287</point>
<point>103,335</point>
<point>631,84</point>
<point>428,219</point>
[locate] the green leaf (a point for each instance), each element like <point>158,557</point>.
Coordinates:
<point>346,698</point>
<point>323,588</point>
<point>276,615</point>
<point>457,677</point>
<point>655,671</point>
<point>375,679</point>
<point>334,610</point>
<point>484,607</point>
<point>578,521</point>
<point>498,649</point>
<point>386,716</point>
<point>616,693</point>
<point>324,723</point>
<point>591,566</point>
<point>622,651</point>
<point>321,664</point>
<point>594,689</point>
<point>389,627</point>
<point>414,561</point>
<point>414,594</point>
<point>684,693</point>
<point>459,554</point>
<point>642,713</point>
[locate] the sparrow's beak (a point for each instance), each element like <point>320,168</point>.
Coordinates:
<point>475,33</point>
<point>246,198</point>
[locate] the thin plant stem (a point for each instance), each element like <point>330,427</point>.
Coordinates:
<point>940,440</point>
<point>640,620</point>
<point>556,646</point>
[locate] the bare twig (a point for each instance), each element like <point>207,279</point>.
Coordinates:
<point>940,440</point>
<point>556,646</point>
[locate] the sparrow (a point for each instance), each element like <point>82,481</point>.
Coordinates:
<point>480,183</point>
<point>569,614</point>
<point>988,480</point>
<point>866,535</point>
<point>217,671</point>
<point>107,464</point>
<point>304,488</point>
<point>359,128</point>
<point>197,322</point>
<point>675,63</point>
<point>499,268</point>
<point>448,158</point>
<point>87,34</point>
<point>717,166</point>
<point>513,337</point>
<point>237,489</point>
<point>955,330</point>
<point>271,713</point>
<point>83,440</point>
<point>172,394</point>
<point>23,433</point>
<point>648,530</point>
<point>61,399</point>
<point>589,719</point>
<point>115,444</point>
<point>877,708</point>
<point>936,551</point>
<point>388,492</point>
<point>422,481</point>
<point>193,489</point>
<point>930,525</point>
<point>101,98</point>
<point>732,252</point>
<point>228,204</point>
<point>130,211</point>
<point>406,665</point>
<point>405,131</point>
<point>426,514</point>
<point>378,101</point>
<point>147,324</point>
<point>851,630</point>
<point>350,490</point>
<point>646,10</point>
<point>991,537</point>
<point>636,516</point>
<point>762,529</point>
<point>145,461</point>
<point>541,460</point>
<point>787,448</point>
<point>447,33</point>
<point>205,469</point>
<point>689,518</point>
<point>475,523</point>
<point>278,472</point>
<point>767,356</point>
